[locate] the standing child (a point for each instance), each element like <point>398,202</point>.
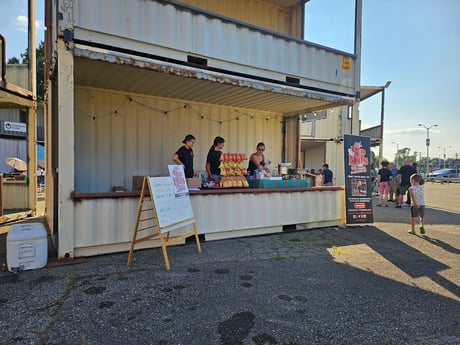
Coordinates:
<point>418,203</point>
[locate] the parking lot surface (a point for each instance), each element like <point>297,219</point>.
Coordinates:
<point>353,285</point>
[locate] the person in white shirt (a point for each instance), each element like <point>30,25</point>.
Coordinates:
<point>418,203</point>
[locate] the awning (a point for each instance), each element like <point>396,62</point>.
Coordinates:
<point>133,74</point>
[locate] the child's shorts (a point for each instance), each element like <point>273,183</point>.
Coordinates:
<point>417,212</point>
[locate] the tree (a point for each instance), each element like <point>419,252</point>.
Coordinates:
<point>13,61</point>
<point>40,51</point>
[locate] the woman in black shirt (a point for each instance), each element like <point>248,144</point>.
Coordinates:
<point>184,155</point>
<point>213,159</point>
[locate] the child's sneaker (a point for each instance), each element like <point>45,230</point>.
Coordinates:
<point>411,232</point>
<point>422,229</point>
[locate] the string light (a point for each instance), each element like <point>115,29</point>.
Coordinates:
<point>116,112</point>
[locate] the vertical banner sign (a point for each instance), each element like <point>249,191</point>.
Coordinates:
<point>358,187</point>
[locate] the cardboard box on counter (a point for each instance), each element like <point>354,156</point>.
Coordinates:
<point>194,182</point>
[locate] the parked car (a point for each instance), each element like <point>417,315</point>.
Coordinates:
<point>422,172</point>
<point>446,173</point>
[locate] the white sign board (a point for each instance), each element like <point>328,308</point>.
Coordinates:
<point>170,207</point>
<point>15,127</point>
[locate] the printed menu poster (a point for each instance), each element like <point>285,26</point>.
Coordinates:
<point>358,187</point>
<point>178,179</point>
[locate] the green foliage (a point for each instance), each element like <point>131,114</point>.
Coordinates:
<point>13,61</point>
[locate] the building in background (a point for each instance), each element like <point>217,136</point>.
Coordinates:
<point>18,130</point>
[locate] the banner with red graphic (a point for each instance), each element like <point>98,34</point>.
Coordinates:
<point>358,187</point>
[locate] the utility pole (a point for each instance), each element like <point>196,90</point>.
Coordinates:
<point>444,148</point>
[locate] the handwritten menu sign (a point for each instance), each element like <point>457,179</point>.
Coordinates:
<point>171,208</point>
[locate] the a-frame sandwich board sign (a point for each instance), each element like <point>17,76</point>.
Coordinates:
<point>159,212</point>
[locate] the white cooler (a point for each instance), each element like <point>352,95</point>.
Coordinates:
<point>26,246</point>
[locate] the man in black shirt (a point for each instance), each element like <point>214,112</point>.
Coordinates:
<point>404,175</point>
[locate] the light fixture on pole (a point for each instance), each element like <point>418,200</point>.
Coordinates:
<point>427,143</point>
<point>397,153</point>
<point>444,148</point>
<point>382,115</point>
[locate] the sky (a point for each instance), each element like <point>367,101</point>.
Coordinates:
<point>415,44</point>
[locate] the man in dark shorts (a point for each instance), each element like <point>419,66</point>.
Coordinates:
<point>404,174</point>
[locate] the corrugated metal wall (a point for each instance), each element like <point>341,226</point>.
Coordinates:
<point>12,115</point>
<point>256,12</point>
<point>117,138</point>
<point>18,75</point>
<point>11,148</point>
<point>102,222</point>
<point>15,195</point>
<point>294,208</point>
<point>164,30</point>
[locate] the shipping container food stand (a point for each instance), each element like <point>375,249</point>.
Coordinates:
<point>121,98</point>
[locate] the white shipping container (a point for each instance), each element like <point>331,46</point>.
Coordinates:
<point>27,246</point>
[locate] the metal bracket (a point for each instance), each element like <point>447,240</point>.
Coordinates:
<point>68,38</point>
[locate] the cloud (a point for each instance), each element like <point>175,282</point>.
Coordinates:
<point>404,131</point>
<point>22,23</point>
<point>414,130</point>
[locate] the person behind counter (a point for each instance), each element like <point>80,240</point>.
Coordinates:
<point>213,159</point>
<point>327,175</point>
<point>257,160</point>
<point>184,155</point>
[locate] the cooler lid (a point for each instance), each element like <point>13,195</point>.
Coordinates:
<point>26,231</point>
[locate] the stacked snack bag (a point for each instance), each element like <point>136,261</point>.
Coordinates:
<point>233,171</point>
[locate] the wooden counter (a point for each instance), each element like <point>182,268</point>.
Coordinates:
<point>205,191</point>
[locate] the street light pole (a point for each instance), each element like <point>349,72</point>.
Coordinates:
<point>444,148</point>
<point>397,153</point>
<point>382,112</point>
<point>427,143</point>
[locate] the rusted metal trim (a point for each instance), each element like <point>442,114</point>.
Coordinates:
<point>201,74</point>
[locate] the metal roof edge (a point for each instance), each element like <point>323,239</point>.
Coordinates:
<point>121,58</point>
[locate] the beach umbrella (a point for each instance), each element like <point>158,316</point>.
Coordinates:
<point>16,163</point>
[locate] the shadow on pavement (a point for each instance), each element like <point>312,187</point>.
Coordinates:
<point>319,286</point>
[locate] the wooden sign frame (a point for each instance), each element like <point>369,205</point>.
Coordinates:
<point>147,199</point>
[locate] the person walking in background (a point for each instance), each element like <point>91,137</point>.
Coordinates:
<point>418,203</point>
<point>404,174</point>
<point>213,159</point>
<point>393,183</point>
<point>184,155</point>
<point>373,178</point>
<point>384,179</point>
<point>327,175</point>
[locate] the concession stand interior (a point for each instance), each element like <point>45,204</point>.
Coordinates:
<point>121,98</point>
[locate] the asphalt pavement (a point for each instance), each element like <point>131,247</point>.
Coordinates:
<point>353,285</point>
